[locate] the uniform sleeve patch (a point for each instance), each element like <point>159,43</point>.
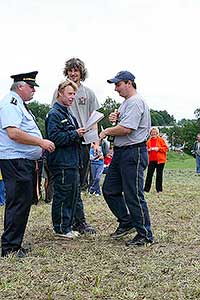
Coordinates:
<point>13,101</point>
<point>64,121</point>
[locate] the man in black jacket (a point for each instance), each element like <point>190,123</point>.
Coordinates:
<point>62,128</point>
<point>196,152</point>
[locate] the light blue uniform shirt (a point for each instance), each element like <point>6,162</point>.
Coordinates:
<point>13,113</point>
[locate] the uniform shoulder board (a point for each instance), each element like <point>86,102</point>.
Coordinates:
<point>13,101</point>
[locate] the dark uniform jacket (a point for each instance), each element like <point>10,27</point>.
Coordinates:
<point>196,151</point>
<point>61,129</point>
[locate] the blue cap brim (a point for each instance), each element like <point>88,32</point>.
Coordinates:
<point>113,80</point>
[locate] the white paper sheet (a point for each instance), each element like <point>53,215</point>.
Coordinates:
<point>93,119</point>
<point>91,134</point>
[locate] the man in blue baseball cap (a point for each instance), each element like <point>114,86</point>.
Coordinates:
<point>123,186</point>
<point>122,76</point>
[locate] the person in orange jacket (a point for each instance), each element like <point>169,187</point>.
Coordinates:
<point>157,154</point>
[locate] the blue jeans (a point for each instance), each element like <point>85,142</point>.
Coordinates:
<point>66,193</point>
<point>96,171</point>
<point>123,188</point>
<point>2,193</point>
<point>198,164</point>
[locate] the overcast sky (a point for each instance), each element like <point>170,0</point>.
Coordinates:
<point>157,40</point>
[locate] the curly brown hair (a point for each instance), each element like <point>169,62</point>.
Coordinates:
<point>76,63</point>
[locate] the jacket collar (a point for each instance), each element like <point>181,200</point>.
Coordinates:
<point>59,106</point>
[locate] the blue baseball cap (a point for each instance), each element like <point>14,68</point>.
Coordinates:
<point>121,76</point>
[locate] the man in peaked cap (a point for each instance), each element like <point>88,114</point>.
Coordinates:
<point>21,144</point>
<point>26,77</point>
<point>123,186</point>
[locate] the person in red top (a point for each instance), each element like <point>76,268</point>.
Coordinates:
<point>157,149</point>
<point>107,160</point>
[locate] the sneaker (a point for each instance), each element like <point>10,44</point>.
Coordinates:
<point>121,231</point>
<point>84,228</point>
<point>69,235</point>
<point>20,253</point>
<point>97,195</point>
<point>139,240</point>
<point>76,233</point>
<point>90,194</point>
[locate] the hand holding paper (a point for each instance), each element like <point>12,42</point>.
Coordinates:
<point>81,131</point>
<point>91,134</point>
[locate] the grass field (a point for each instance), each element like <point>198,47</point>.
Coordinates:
<point>92,268</point>
<point>179,161</point>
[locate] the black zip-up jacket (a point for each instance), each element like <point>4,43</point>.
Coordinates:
<point>61,128</point>
<point>196,151</point>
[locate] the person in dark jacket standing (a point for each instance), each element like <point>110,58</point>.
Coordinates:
<point>196,152</point>
<point>62,128</point>
<point>84,104</point>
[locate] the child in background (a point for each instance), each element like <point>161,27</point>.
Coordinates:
<point>107,160</point>
<point>97,165</point>
<point>2,190</point>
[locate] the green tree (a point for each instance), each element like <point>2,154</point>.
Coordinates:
<point>107,107</point>
<point>39,111</point>
<point>161,118</point>
<point>183,134</point>
<point>156,118</point>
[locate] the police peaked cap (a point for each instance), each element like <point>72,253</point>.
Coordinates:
<point>26,77</point>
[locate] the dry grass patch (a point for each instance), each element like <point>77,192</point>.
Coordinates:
<point>100,268</point>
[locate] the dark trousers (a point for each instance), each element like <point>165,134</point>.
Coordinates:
<point>48,182</point>
<point>123,188</point>
<point>39,173</point>
<point>85,166</point>
<point>18,175</point>
<point>2,193</point>
<point>66,193</point>
<point>159,176</point>
<point>84,172</point>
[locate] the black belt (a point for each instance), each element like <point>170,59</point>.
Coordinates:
<point>131,146</point>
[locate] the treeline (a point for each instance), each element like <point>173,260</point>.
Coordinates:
<point>158,118</point>
<point>39,111</point>
<point>179,133</point>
